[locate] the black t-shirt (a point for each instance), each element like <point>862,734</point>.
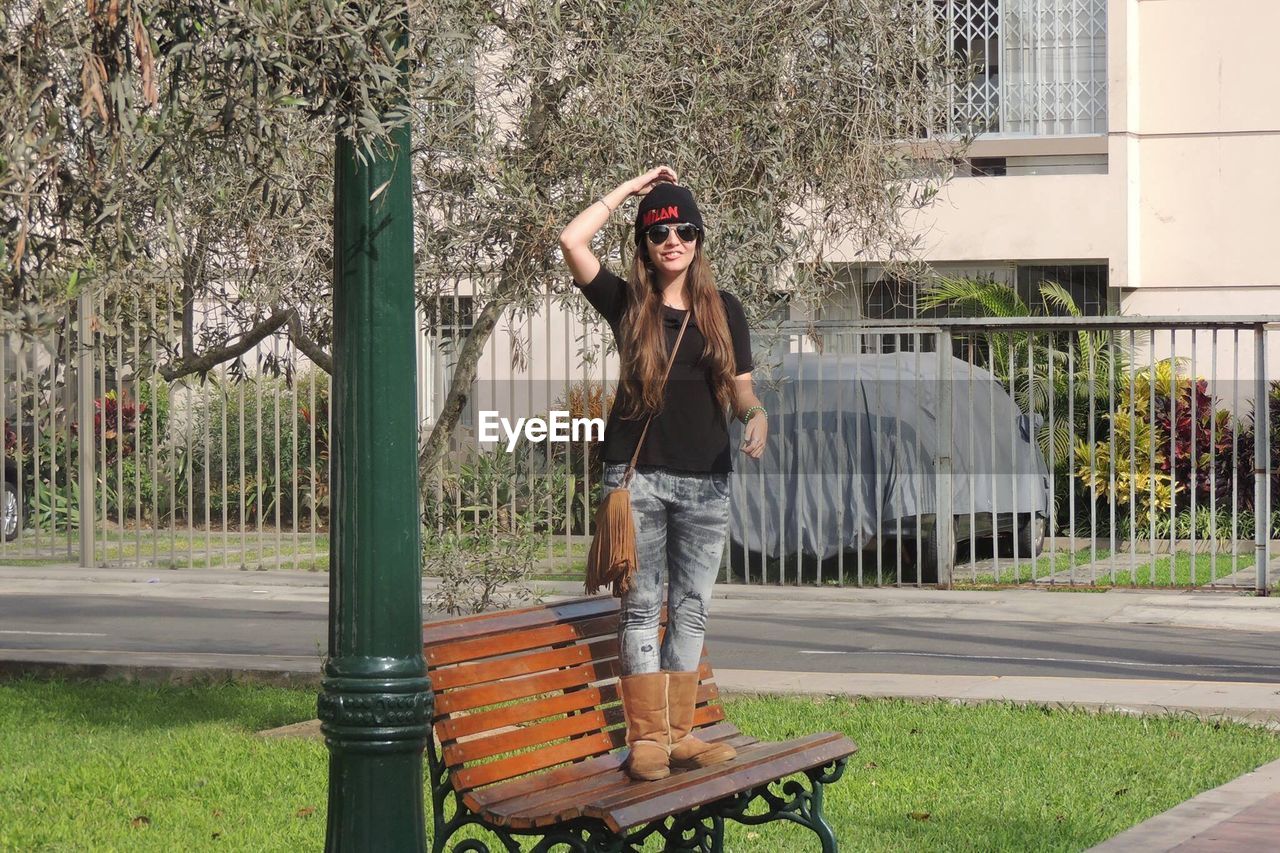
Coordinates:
<point>691,432</point>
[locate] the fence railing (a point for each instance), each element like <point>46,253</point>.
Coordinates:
<point>109,464</point>
<point>1076,451</point>
<point>1097,451</point>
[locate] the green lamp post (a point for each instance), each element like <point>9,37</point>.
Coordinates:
<point>375,704</point>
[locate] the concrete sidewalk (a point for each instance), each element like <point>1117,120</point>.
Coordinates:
<point>1202,609</point>
<point>1237,816</point>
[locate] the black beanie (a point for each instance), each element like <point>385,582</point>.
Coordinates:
<point>664,204</point>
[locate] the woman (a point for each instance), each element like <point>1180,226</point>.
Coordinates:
<point>680,489</point>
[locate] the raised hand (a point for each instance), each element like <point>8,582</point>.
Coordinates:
<point>642,184</point>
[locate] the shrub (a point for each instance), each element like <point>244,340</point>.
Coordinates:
<point>586,399</point>
<point>1186,452</point>
<point>153,402</point>
<point>1247,441</point>
<point>252,422</point>
<point>1134,482</point>
<point>116,426</point>
<point>501,492</point>
<point>479,571</point>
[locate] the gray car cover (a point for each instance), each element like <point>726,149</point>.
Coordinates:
<point>853,447</point>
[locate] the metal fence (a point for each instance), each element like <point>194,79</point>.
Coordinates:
<point>1076,451</point>
<point>109,464</point>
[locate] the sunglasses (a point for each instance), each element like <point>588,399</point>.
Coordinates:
<point>687,232</point>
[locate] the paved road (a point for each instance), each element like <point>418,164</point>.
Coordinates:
<point>743,635</point>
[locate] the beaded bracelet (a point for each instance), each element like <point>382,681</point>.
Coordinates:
<point>749,413</point>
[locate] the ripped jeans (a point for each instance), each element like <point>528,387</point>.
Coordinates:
<point>681,520</point>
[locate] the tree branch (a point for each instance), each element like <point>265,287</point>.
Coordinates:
<point>192,273</point>
<point>308,347</point>
<point>212,358</point>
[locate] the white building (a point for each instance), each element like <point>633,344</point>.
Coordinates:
<point>1130,154</point>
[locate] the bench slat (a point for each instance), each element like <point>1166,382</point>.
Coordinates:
<point>548,756</point>
<point>484,695</point>
<point>565,802</point>
<point>542,735</point>
<point>478,799</point>
<point>518,641</point>
<point>502,621</point>
<point>514,715</point>
<point>504,792</point>
<point>534,735</point>
<point>761,752</point>
<point>588,698</point>
<point>697,787</point>
<point>469,674</point>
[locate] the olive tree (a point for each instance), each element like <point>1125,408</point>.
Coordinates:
<point>789,119</point>
<point>188,146</point>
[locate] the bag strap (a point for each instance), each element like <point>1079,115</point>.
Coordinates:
<point>631,466</point>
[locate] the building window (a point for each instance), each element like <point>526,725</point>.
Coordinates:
<point>869,294</point>
<point>1087,284</point>
<point>1039,66</point>
<point>449,319</point>
<point>988,167</point>
<point>890,299</point>
<point>446,322</point>
<point>974,30</point>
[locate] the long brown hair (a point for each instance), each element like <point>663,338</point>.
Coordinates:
<point>644,344</point>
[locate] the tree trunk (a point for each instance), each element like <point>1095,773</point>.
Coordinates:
<point>464,374</point>
<point>519,264</point>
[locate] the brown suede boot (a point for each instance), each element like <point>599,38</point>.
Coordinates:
<point>687,750</point>
<point>644,703</point>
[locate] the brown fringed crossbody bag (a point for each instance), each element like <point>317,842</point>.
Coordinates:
<point>612,558</point>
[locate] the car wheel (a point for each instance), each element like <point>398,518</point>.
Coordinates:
<point>10,511</point>
<point>1031,535</point>
<point>924,557</point>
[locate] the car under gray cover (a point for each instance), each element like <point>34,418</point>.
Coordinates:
<point>853,447</point>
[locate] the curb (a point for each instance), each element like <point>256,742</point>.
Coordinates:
<point>51,670</point>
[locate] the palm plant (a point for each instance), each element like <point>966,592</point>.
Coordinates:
<point>1056,375</point>
<point>1072,380</point>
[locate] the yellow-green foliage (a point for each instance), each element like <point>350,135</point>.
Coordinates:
<point>1134,482</point>
<point>1131,443</point>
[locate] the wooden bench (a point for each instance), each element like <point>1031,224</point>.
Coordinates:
<point>529,738</point>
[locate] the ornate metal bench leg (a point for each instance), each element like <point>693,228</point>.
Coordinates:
<point>795,803</point>
<point>574,838</point>
<point>817,821</point>
<point>691,832</point>
<point>440,790</point>
<point>717,834</point>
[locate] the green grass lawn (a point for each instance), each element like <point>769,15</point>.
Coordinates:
<point>128,767</point>
<point>179,548</point>
<point>566,561</point>
<point>561,561</point>
<point>1099,568</point>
